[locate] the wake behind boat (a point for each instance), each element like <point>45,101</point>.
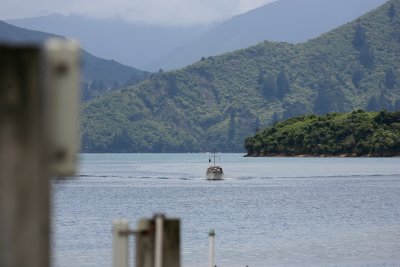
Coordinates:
<point>215,172</point>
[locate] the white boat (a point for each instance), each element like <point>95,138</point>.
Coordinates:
<point>215,172</point>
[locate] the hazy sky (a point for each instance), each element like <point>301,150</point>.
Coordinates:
<point>166,12</point>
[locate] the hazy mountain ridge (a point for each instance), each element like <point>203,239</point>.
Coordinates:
<point>221,100</point>
<point>114,38</point>
<point>99,75</point>
<point>291,21</point>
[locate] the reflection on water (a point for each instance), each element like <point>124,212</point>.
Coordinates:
<point>267,212</point>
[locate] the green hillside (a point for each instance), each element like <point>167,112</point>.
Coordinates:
<point>357,133</point>
<point>219,101</point>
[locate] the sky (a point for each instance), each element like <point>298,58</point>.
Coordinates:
<point>155,12</point>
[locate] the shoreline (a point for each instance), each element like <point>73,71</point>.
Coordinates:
<point>342,155</point>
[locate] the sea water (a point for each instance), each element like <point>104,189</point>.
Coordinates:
<point>266,212</point>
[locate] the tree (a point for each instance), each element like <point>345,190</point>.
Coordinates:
<point>257,125</point>
<point>329,98</point>
<point>392,11</point>
<point>359,38</point>
<point>231,130</point>
<point>397,104</point>
<point>390,78</point>
<point>357,76</point>
<point>294,109</point>
<point>115,85</point>
<point>384,102</point>
<point>282,83</point>
<point>269,87</point>
<point>373,104</point>
<point>275,118</point>
<point>261,75</point>
<point>367,55</point>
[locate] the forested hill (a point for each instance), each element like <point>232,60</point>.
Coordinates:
<point>291,21</point>
<point>357,133</point>
<point>219,101</point>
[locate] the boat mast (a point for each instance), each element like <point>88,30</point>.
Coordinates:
<point>214,156</point>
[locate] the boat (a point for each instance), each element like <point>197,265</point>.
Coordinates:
<point>215,172</point>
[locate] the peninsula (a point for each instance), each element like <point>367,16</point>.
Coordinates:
<point>359,133</point>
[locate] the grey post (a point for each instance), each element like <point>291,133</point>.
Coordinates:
<point>211,248</point>
<point>120,243</point>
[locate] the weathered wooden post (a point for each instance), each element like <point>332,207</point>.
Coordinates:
<point>26,154</point>
<point>158,242</point>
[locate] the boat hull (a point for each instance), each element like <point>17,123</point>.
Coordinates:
<point>215,173</point>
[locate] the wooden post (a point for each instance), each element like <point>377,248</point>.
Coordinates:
<point>146,242</point>
<point>120,243</point>
<point>24,177</point>
<point>33,144</point>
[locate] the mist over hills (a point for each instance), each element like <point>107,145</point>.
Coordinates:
<point>220,100</point>
<point>153,47</point>
<point>132,44</point>
<point>99,75</point>
<point>290,21</point>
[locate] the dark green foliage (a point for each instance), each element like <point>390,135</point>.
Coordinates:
<point>269,88</point>
<point>257,125</point>
<point>384,102</point>
<point>282,83</point>
<point>231,130</point>
<point>329,98</point>
<point>293,109</point>
<point>373,104</point>
<point>216,102</point>
<point>357,76</point>
<point>392,11</point>
<point>397,104</point>
<point>275,118</point>
<point>367,55</point>
<point>355,134</point>
<point>378,103</point>
<point>361,43</point>
<point>360,37</point>
<point>390,78</point>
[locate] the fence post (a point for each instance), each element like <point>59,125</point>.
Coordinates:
<point>158,242</point>
<point>211,248</point>
<point>120,243</point>
<point>26,156</point>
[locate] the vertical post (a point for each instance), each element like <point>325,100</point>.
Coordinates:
<point>63,83</point>
<point>149,232</point>
<point>120,243</point>
<point>26,154</point>
<point>211,248</point>
<point>159,219</point>
<point>24,176</point>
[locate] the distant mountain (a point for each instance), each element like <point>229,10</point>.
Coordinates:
<point>132,44</point>
<point>221,100</point>
<point>100,75</point>
<point>291,21</point>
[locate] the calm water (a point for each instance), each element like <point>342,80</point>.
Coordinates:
<point>267,212</point>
